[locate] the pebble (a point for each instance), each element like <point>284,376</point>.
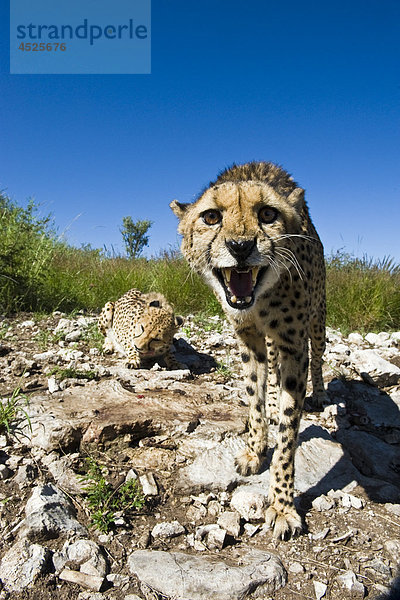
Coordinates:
<point>323,503</point>
<point>393,548</point>
<point>319,589</point>
<point>230,521</point>
<point>296,568</point>
<point>167,530</point>
<point>149,485</point>
<point>216,539</point>
<point>88,581</point>
<point>393,508</point>
<point>347,500</point>
<point>251,529</point>
<point>249,504</point>
<point>349,581</point>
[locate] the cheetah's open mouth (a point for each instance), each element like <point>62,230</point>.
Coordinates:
<point>239,285</point>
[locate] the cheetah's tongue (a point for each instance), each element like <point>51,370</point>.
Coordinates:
<point>241,284</point>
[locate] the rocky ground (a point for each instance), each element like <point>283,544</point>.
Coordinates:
<point>199,533</point>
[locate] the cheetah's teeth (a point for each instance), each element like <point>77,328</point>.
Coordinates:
<point>254,273</point>
<point>248,299</point>
<point>233,299</point>
<point>228,273</point>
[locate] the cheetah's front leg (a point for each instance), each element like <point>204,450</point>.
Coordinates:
<point>171,363</point>
<point>282,514</point>
<point>254,359</point>
<point>133,359</point>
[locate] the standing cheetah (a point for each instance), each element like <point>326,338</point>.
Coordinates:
<point>140,327</point>
<point>249,234</point>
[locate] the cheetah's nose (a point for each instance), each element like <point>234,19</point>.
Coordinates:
<point>240,249</point>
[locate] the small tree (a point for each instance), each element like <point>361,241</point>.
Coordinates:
<point>134,236</point>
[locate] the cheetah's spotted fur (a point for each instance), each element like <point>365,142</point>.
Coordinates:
<point>140,327</point>
<point>250,235</point>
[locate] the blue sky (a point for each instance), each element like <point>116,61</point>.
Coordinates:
<point>313,86</point>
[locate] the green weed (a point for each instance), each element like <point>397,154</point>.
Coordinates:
<point>92,336</point>
<point>205,322</point>
<point>12,411</point>
<point>71,373</point>
<point>104,501</point>
<point>46,338</point>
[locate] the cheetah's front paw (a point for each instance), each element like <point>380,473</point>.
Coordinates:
<point>132,363</point>
<point>248,462</point>
<point>285,521</point>
<point>319,399</point>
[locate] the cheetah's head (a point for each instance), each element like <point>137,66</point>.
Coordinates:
<point>237,236</point>
<point>153,333</point>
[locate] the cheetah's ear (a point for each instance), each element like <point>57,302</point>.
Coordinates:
<point>296,198</point>
<point>179,208</point>
<point>179,321</point>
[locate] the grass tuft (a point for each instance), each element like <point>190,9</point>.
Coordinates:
<point>104,501</point>
<point>362,294</point>
<point>12,411</point>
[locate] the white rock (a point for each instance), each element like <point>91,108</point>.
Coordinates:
<point>52,384</point>
<point>249,504</point>
<point>375,369</point>
<point>319,589</point>
<point>149,485</point>
<point>23,564</point>
<point>64,476</point>
<point>27,324</point>
<point>88,581</point>
<point>296,568</point>
<point>131,476</point>
<point>393,548</point>
<point>167,530</point>
<point>90,596</point>
<point>373,339</point>
<point>88,556</point>
<point>44,355</point>
<point>216,339</point>
<point>65,326</point>
<point>216,539</point>
<point>339,349</point>
<point>230,521</point>
<point>118,580</point>
<point>49,514</point>
<point>73,336</point>
<point>67,355</point>
<point>182,576</point>
<point>355,338</point>
<point>393,508</point>
<point>323,503</point>
<point>395,337</point>
<point>349,581</point>
<point>204,530</point>
<point>349,501</point>
<point>251,529</point>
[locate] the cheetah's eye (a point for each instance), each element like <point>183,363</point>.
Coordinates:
<point>212,217</point>
<point>267,214</point>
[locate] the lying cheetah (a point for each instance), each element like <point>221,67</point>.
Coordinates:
<point>250,236</point>
<point>140,327</point>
